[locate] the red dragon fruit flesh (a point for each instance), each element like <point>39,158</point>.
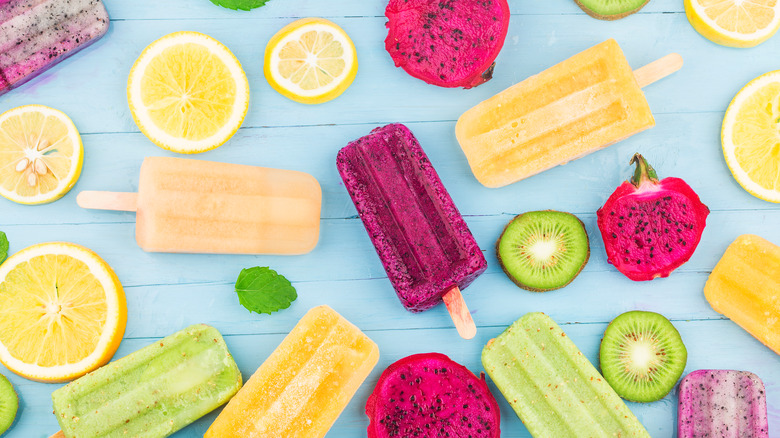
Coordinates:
<point>651,227</point>
<point>449,43</point>
<point>429,395</point>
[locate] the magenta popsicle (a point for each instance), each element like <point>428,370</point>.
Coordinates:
<point>722,404</point>
<point>421,238</point>
<point>37,34</point>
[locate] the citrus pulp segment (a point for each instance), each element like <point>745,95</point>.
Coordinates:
<point>734,23</point>
<point>41,154</point>
<point>188,92</point>
<point>751,137</point>
<point>62,312</point>
<point>311,61</point>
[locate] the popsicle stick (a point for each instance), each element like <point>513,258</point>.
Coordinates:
<point>58,435</point>
<point>118,201</point>
<point>658,69</point>
<point>460,313</point>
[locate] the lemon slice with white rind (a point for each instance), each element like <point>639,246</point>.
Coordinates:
<point>734,23</point>
<point>40,154</point>
<point>188,92</point>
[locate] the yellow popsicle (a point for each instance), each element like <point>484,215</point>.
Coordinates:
<point>304,385</point>
<point>745,286</point>
<point>581,105</point>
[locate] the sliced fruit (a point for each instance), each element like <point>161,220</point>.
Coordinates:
<point>310,61</point>
<point>642,356</point>
<point>188,93</point>
<point>611,9</point>
<point>543,250</point>
<point>734,23</point>
<point>62,312</point>
<point>40,154</point>
<point>751,137</point>
<point>9,404</point>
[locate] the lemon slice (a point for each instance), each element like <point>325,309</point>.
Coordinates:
<point>310,61</point>
<point>62,312</point>
<point>188,93</point>
<point>734,23</point>
<point>40,154</point>
<point>751,137</point>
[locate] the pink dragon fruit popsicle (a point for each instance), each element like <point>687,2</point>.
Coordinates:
<point>722,404</point>
<point>37,34</point>
<point>424,243</point>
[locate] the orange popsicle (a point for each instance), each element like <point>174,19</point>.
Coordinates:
<point>195,206</point>
<point>304,385</point>
<point>745,286</point>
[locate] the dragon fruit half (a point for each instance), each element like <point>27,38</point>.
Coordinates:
<point>449,43</point>
<point>429,395</point>
<point>650,227</point>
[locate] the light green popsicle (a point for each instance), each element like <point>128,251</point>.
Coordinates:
<point>153,392</point>
<point>552,387</point>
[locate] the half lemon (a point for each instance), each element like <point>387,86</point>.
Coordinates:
<point>311,61</point>
<point>751,137</point>
<point>40,154</point>
<point>188,93</point>
<point>734,23</point>
<point>62,312</point>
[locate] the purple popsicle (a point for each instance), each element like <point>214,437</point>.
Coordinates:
<point>425,245</point>
<point>37,34</point>
<point>722,404</point>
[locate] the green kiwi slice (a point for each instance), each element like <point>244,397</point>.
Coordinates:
<point>642,356</point>
<point>9,403</point>
<point>543,250</point>
<point>611,9</point>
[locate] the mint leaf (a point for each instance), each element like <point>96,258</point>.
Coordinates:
<point>244,5</point>
<point>3,247</point>
<point>262,290</point>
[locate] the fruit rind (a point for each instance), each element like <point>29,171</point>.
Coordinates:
<point>114,327</point>
<point>729,121</point>
<point>516,280</point>
<point>611,17</point>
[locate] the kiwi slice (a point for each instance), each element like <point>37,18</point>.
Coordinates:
<point>543,250</point>
<point>611,9</point>
<point>9,403</point>
<point>642,356</point>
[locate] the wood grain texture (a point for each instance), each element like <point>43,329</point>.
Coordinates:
<point>168,292</point>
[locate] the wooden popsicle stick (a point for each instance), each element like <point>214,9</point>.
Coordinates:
<point>460,313</point>
<point>658,69</point>
<point>58,435</point>
<point>118,201</point>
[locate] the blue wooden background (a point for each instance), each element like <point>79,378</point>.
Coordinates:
<point>167,292</point>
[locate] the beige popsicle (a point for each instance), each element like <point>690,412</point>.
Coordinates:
<point>579,106</point>
<point>193,206</point>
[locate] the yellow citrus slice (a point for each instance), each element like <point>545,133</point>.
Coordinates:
<point>188,93</point>
<point>62,312</point>
<point>310,61</point>
<point>751,137</point>
<point>40,154</point>
<point>734,23</point>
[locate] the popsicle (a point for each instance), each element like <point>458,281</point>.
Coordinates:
<point>426,247</point>
<point>37,34</point>
<point>552,387</point>
<point>579,106</point>
<point>722,403</point>
<point>194,206</point>
<point>745,286</point>
<point>302,388</point>
<point>153,392</point>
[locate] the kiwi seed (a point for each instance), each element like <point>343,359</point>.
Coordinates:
<point>642,356</point>
<point>611,9</point>
<point>543,250</point>
<point>9,403</point>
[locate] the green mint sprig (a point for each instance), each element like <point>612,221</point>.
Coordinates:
<point>262,290</point>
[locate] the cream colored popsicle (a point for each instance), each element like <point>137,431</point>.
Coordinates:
<point>579,106</point>
<point>745,286</point>
<point>304,385</point>
<point>194,206</point>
